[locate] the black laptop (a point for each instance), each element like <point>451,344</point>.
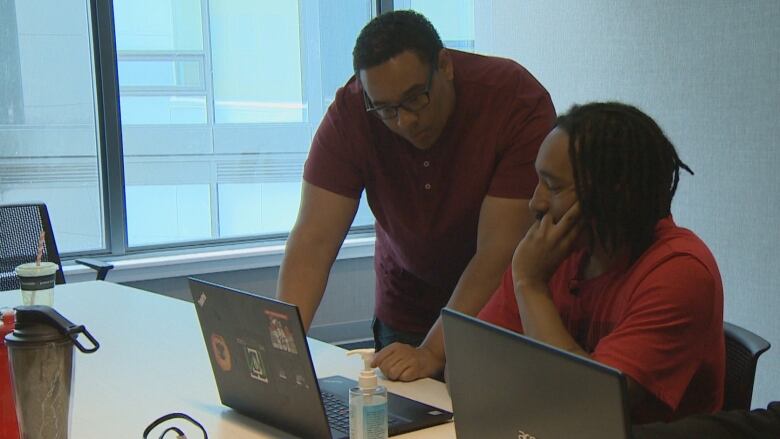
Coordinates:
<point>504,384</point>
<point>263,368</point>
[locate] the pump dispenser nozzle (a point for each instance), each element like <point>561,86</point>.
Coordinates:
<point>367,379</point>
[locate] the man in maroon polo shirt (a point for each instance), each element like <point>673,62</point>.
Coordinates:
<point>443,143</point>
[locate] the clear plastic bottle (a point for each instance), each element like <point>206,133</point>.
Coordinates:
<point>367,402</point>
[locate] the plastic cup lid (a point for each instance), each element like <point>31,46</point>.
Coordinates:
<point>31,270</point>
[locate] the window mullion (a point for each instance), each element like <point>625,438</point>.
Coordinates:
<point>109,126</point>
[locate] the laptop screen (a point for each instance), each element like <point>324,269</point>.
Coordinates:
<point>504,384</point>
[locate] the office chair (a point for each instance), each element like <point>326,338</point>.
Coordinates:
<point>20,227</point>
<point>742,351</point>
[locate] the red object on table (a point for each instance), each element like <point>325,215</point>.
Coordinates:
<point>9,426</point>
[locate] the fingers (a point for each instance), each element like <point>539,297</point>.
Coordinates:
<point>572,215</point>
<point>394,360</point>
<point>400,361</point>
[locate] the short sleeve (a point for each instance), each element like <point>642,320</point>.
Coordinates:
<point>334,158</point>
<point>529,119</point>
<point>502,309</point>
<point>670,318</point>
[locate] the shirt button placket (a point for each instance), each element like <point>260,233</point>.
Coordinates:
<point>427,164</point>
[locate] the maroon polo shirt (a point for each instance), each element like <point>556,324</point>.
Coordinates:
<point>427,202</point>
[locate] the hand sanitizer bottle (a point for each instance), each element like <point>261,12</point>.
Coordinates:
<point>367,402</point>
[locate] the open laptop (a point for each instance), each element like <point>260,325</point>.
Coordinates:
<point>263,368</point>
<point>506,385</point>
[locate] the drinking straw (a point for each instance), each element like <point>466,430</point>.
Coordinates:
<point>40,248</point>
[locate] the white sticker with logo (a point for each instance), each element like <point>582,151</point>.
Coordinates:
<point>523,435</point>
<point>202,299</point>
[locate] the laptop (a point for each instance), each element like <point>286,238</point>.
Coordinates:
<point>263,368</point>
<point>506,385</point>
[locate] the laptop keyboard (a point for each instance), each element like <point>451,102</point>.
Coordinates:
<point>337,412</point>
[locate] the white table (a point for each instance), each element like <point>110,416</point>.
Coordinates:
<point>152,361</point>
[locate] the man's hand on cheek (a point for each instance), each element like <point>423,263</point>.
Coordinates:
<point>545,246</point>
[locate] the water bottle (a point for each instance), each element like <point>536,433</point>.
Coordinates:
<point>40,352</point>
<point>9,427</point>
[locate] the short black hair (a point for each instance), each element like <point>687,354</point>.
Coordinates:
<point>626,172</point>
<point>394,32</point>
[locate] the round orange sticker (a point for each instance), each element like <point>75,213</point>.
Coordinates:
<point>221,352</point>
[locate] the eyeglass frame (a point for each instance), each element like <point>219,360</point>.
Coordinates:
<point>403,104</point>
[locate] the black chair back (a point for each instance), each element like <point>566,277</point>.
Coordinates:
<point>742,351</point>
<point>20,227</point>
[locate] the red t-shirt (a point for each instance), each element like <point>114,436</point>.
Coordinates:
<point>427,202</point>
<point>660,322</point>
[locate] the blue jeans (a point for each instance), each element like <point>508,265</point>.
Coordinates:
<point>385,335</point>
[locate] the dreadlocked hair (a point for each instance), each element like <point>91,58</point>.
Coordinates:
<point>625,172</point>
<point>391,33</point>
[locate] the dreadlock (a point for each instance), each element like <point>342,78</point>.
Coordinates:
<point>625,172</point>
<point>392,33</point>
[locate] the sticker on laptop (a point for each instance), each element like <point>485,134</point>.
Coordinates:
<point>281,336</point>
<point>255,363</point>
<point>202,299</point>
<point>221,352</point>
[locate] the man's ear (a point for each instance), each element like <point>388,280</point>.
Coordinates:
<point>445,64</point>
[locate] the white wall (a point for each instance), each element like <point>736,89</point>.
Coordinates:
<point>707,71</point>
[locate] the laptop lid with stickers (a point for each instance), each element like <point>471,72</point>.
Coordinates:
<point>263,368</point>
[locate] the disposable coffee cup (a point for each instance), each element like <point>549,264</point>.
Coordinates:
<point>37,282</point>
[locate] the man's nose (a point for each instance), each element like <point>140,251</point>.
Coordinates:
<point>406,119</point>
<point>539,204</point>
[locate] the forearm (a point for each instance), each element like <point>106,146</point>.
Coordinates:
<point>540,317</point>
<point>478,282</point>
<point>303,276</point>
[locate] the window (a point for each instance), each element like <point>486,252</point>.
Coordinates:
<point>48,138</point>
<point>219,100</point>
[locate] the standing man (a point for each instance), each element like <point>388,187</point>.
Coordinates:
<point>443,143</point>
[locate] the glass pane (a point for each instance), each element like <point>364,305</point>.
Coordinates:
<point>48,141</point>
<point>154,25</point>
<point>256,56</point>
<point>152,110</point>
<point>180,212</point>
<point>257,208</point>
<point>453,19</point>
<point>162,73</point>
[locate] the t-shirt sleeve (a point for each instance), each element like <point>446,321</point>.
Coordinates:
<point>333,161</point>
<point>670,315</point>
<point>529,119</point>
<point>502,309</point>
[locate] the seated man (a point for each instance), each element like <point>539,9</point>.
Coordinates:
<point>604,272</point>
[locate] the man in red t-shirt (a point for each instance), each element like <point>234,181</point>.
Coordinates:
<point>443,144</point>
<point>605,273</point>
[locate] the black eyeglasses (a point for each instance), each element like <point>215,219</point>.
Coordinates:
<point>413,103</point>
